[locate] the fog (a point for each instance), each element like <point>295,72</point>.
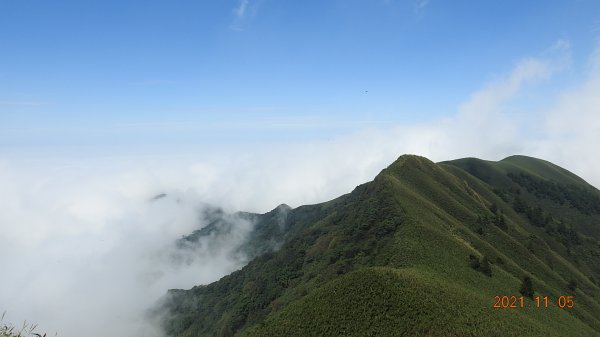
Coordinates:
<point>92,255</point>
<point>85,250</point>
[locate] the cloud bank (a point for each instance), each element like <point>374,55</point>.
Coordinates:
<point>85,251</point>
<point>91,255</point>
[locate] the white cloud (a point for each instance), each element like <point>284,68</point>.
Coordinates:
<point>572,127</point>
<point>561,45</point>
<point>490,99</point>
<point>89,254</point>
<point>240,9</point>
<point>240,13</point>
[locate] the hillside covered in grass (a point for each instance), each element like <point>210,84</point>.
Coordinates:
<point>422,250</point>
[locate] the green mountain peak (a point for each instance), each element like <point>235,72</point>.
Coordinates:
<point>422,250</point>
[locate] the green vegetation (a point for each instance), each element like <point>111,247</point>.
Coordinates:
<point>485,266</point>
<point>422,250</point>
<point>9,330</point>
<point>400,302</point>
<point>527,287</point>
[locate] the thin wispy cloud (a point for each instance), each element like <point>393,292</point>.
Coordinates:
<point>491,99</point>
<point>240,9</point>
<point>561,44</point>
<point>419,7</point>
<point>244,11</point>
<point>239,15</point>
<point>596,27</point>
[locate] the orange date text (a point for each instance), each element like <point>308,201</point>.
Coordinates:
<point>513,302</point>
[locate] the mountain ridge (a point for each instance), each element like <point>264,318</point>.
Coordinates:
<point>432,219</point>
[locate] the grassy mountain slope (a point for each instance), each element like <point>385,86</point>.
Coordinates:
<point>397,302</point>
<point>421,250</point>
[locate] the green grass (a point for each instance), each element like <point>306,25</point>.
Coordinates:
<point>410,302</point>
<point>392,259</point>
<point>542,169</point>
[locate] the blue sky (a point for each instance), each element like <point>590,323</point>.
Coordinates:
<point>247,104</point>
<point>105,74</point>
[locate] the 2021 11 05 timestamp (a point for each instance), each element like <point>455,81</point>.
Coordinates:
<point>514,302</point>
